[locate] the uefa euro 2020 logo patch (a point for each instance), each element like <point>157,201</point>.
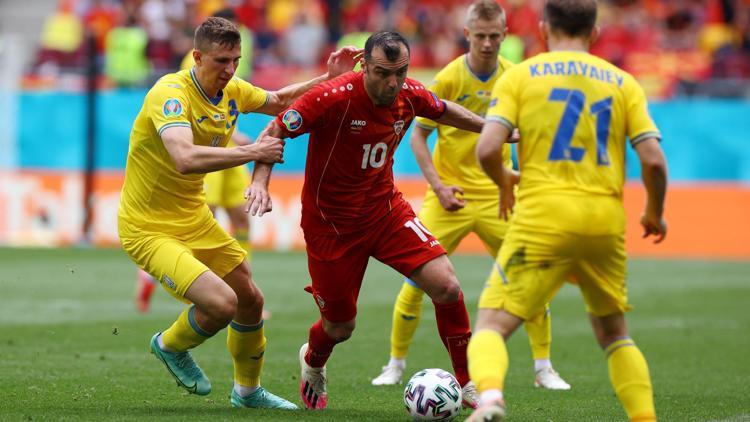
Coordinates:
<point>292,120</point>
<point>172,108</point>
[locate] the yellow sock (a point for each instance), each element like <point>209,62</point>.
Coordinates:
<point>488,360</point>
<point>247,345</point>
<point>185,333</point>
<point>539,330</point>
<point>243,238</point>
<point>628,372</point>
<point>406,315</point>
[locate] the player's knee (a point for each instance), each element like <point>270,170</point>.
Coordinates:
<point>340,331</point>
<point>447,291</point>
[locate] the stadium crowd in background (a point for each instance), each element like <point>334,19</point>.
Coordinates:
<point>654,39</point>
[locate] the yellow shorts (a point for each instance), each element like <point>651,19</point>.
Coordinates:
<point>479,216</point>
<point>226,188</point>
<point>534,263</point>
<point>176,260</point>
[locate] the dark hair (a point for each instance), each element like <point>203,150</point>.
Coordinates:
<point>216,30</point>
<point>574,18</point>
<point>389,42</point>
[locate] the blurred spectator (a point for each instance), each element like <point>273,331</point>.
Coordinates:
<point>126,61</point>
<point>304,41</point>
<point>62,40</point>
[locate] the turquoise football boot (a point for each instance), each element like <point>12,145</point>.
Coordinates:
<point>183,369</point>
<point>261,399</point>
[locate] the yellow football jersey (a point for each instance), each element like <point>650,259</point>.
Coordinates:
<point>573,111</point>
<point>453,156</point>
<point>155,196</point>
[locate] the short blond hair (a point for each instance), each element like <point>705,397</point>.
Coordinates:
<point>485,10</point>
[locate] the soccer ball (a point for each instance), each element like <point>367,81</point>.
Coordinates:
<point>433,395</point>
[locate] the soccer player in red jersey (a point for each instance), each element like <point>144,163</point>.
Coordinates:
<point>352,210</point>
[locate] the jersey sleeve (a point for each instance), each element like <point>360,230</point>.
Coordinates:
<point>308,111</point>
<point>426,103</point>
<point>440,86</point>
<point>250,96</point>
<point>167,106</point>
<point>504,101</point>
<point>640,126</point>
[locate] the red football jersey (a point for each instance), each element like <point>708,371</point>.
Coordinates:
<point>349,172</point>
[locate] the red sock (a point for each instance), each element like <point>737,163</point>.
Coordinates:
<point>319,347</point>
<point>455,330</point>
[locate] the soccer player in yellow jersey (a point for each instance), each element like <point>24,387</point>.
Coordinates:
<point>224,188</point>
<point>165,225</point>
<point>461,198</point>
<point>574,112</point>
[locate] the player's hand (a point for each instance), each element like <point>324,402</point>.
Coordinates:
<point>508,193</point>
<point>269,149</point>
<point>447,195</point>
<point>514,137</point>
<point>654,225</point>
<point>258,200</point>
<point>343,60</point>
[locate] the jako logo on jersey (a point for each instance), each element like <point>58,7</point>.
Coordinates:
<point>462,98</point>
<point>201,119</point>
<point>398,126</point>
<point>357,125</point>
<point>172,107</point>
<point>292,120</point>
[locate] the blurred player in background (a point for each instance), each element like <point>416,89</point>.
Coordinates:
<point>352,210</point>
<point>461,198</point>
<point>224,188</point>
<point>165,225</point>
<point>569,220</point>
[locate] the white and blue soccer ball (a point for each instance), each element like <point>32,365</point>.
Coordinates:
<point>433,395</point>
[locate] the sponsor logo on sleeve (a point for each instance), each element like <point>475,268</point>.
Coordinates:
<point>292,120</point>
<point>172,107</point>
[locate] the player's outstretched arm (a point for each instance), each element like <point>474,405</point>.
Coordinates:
<point>339,62</point>
<point>190,158</point>
<point>490,157</point>
<point>446,194</point>
<point>258,199</point>
<point>460,117</point>
<point>654,174</point>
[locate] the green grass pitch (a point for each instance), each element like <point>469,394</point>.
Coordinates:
<point>72,346</point>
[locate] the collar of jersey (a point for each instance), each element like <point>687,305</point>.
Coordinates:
<point>215,100</point>
<point>483,78</point>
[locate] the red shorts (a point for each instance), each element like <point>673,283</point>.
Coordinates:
<point>337,263</point>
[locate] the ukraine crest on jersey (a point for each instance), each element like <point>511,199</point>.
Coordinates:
<point>454,157</point>
<point>155,194</point>
<point>574,112</point>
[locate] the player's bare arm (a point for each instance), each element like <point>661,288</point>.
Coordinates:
<point>490,156</point>
<point>258,199</point>
<point>460,117</point>
<point>190,158</point>
<point>339,62</point>
<point>446,194</point>
<point>654,174</point>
